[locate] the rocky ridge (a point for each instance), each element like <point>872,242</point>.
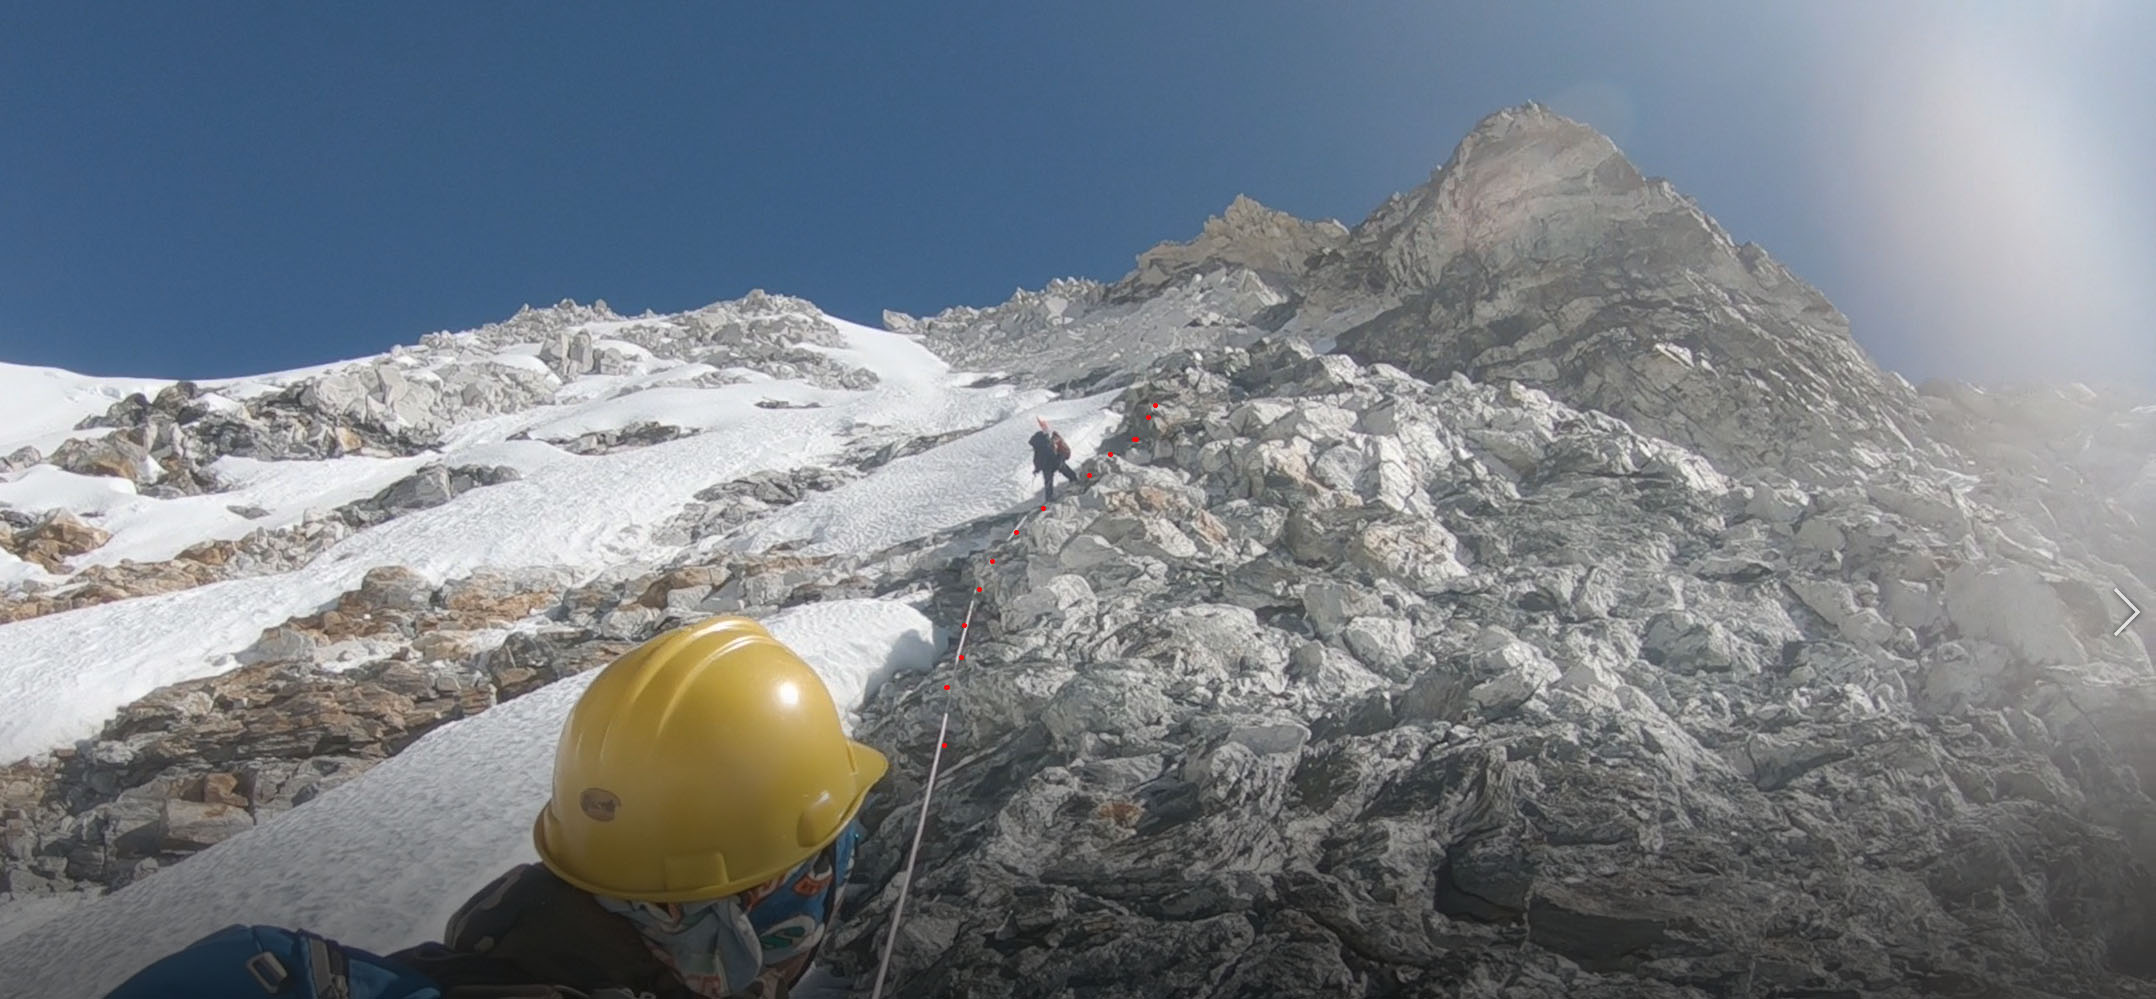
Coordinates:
<point>1537,254</point>
<point>1078,335</point>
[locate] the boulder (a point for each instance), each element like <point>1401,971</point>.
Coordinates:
<point>1381,643</point>
<point>114,455</point>
<point>188,826</point>
<point>425,488</point>
<point>490,597</point>
<point>2017,607</point>
<point>1688,643</point>
<point>378,396</point>
<point>1329,606</point>
<point>1418,553</point>
<point>55,538</point>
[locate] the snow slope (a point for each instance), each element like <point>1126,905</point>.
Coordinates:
<point>40,406</point>
<point>62,676</point>
<point>966,479</point>
<point>382,862</point>
<point>147,529</point>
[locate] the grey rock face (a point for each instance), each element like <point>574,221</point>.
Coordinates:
<point>1582,758</point>
<point>570,354</point>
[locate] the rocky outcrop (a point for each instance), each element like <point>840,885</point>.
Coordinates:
<point>51,540</point>
<point>166,445</point>
<point>1346,683</point>
<point>395,609</point>
<point>570,355</point>
<point>260,552</point>
<point>385,398</point>
<point>772,335</point>
<point>315,702</point>
<point>196,763</point>
<point>113,455</point>
<point>635,435</point>
<point>1275,245</point>
<point>320,699</point>
<point>731,505</point>
<point>426,488</point>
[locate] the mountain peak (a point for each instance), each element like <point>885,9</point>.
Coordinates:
<point>1530,144</point>
<point>1539,253</point>
<point>1531,120</point>
<point>1527,185</point>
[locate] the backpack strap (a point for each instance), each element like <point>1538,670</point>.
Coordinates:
<point>332,974</point>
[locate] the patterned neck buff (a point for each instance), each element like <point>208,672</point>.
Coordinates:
<point>755,943</point>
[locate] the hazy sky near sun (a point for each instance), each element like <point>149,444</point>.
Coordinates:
<point>192,191</point>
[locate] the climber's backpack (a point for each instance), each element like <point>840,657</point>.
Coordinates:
<point>1062,450</point>
<point>244,962</point>
<point>248,962</point>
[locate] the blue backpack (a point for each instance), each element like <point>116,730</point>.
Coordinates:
<point>260,961</point>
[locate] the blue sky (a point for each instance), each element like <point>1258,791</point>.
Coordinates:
<point>198,190</point>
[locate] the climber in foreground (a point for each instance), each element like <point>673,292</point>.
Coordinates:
<point>1051,455</point>
<point>702,822</point>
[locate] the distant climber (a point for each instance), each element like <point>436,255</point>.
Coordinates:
<point>702,824</point>
<point>1051,455</point>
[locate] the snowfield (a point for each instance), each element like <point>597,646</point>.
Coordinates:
<point>383,861</point>
<point>63,675</point>
<point>963,480</point>
<point>146,529</point>
<point>39,407</point>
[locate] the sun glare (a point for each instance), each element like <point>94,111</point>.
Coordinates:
<point>1983,186</point>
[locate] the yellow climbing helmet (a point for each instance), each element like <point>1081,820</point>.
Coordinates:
<point>700,764</point>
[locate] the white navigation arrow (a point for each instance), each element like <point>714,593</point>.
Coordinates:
<point>2129,618</point>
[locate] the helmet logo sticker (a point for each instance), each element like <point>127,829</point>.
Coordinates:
<point>599,803</point>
